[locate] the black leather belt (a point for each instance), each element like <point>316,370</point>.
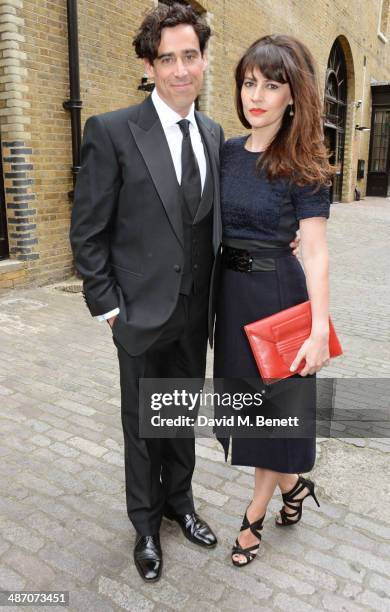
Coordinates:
<point>241,260</point>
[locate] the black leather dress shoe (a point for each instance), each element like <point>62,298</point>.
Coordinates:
<point>195,529</point>
<point>148,557</point>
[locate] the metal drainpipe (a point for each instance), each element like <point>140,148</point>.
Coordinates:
<point>74,103</point>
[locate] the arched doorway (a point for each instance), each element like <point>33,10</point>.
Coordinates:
<point>335,114</point>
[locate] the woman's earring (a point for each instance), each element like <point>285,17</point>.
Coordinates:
<point>291,113</point>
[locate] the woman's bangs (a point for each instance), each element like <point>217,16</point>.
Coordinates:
<point>267,59</point>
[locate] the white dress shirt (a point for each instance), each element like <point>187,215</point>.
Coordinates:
<point>169,118</point>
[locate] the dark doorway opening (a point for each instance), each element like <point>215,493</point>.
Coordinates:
<point>378,177</point>
<point>4,252</point>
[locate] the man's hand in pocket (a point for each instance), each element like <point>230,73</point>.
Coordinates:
<point>111,320</point>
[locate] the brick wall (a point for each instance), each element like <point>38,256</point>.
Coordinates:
<point>34,82</point>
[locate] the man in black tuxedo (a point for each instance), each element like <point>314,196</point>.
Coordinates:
<point>145,231</point>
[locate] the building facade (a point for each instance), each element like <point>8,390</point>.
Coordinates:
<point>39,146</point>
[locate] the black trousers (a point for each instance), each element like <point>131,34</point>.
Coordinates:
<point>159,471</point>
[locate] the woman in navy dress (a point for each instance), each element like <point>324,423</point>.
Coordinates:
<point>274,181</point>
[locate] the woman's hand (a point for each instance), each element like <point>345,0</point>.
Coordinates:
<point>295,244</point>
<point>315,352</point>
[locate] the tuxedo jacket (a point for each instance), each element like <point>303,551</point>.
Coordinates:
<point>127,228</point>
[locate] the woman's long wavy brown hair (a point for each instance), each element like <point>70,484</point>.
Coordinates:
<point>298,150</point>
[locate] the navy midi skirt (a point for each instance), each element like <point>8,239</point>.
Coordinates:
<point>243,298</point>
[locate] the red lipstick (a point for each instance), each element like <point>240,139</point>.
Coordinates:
<point>257,111</point>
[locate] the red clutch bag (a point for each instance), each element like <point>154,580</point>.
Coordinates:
<point>275,341</point>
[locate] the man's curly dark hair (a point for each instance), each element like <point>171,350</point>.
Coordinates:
<point>147,39</point>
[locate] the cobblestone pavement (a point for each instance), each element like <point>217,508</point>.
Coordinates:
<point>62,507</point>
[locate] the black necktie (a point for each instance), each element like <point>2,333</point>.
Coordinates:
<point>190,176</point>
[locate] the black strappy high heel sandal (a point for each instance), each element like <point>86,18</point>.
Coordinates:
<point>289,501</point>
<point>251,551</point>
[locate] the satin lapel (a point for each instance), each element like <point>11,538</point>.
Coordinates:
<point>211,141</point>
<point>152,144</point>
